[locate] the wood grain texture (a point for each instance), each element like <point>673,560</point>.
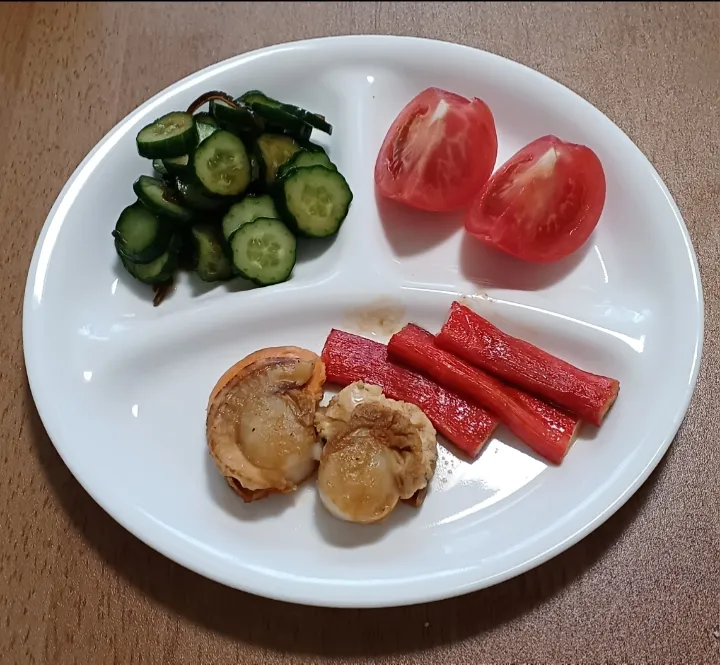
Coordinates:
<point>76,588</point>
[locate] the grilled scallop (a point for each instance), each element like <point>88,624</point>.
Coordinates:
<point>260,423</point>
<point>377,452</point>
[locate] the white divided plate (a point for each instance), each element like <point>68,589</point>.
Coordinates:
<point>122,387</point>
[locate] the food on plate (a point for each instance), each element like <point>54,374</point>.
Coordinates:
<point>303,158</point>
<point>543,203</point>
<point>170,135</point>
<point>378,434</point>
<point>349,358</point>
<point>248,210</point>
<point>377,451</point>
<point>283,115</point>
<point>221,164</point>
<point>233,188</point>
<point>155,195</point>
<point>476,340</point>
<point>232,116</point>
<point>194,197</point>
<point>315,200</point>
<point>273,151</point>
<point>158,270</point>
<point>260,421</point>
<point>140,235</point>
<point>547,430</point>
<point>263,251</point>
<point>207,256</point>
<point>438,153</point>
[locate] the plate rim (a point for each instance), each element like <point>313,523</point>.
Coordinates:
<point>254,583</point>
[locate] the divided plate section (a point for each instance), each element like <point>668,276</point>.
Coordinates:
<point>151,385</point>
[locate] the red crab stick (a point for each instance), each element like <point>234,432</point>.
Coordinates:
<point>547,430</point>
<point>470,336</point>
<point>349,358</point>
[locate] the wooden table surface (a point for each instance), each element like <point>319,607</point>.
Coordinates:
<point>76,588</point>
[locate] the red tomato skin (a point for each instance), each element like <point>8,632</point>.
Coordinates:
<point>578,174</point>
<point>439,187</point>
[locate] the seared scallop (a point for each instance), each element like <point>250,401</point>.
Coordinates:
<point>260,424</point>
<point>377,452</point>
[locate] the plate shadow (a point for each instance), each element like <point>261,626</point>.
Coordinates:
<point>347,535</point>
<point>410,231</point>
<point>490,268</point>
<point>309,249</point>
<point>143,292</point>
<point>231,503</point>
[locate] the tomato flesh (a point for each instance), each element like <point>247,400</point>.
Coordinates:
<point>438,153</point>
<point>543,203</point>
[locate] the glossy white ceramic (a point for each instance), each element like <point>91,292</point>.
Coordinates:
<point>122,387</point>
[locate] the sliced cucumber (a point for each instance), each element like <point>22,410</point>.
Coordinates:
<point>221,163</point>
<point>309,146</point>
<point>248,210</point>
<point>303,159</point>
<point>264,251</point>
<point>268,108</point>
<point>259,97</point>
<point>187,249</point>
<point>172,135</point>
<point>195,198</point>
<point>277,119</point>
<point>256,169</point>
<point>212,264</point>
<point>140,235</point>
<point>156,272</point>
<point>179,165</point>
<point>274,150</point>
<point>176,165</point>
<point>159,167</point>
<point>314,120</point>
<point>159,198</point>
<point>235,117</point>
<point>205,129</point>
<point>315,200</point>
<point>205,118</point>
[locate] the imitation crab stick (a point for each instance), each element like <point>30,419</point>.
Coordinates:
<point>470,336</point>
<point>547,430</point>
<point>349,358</point>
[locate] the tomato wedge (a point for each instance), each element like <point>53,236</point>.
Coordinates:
<point>543,203</point>
<point>438,153</point>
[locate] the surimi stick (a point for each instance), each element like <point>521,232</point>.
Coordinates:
<point>474,339</point>
<point>349,358</point>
